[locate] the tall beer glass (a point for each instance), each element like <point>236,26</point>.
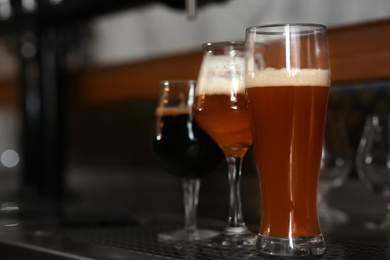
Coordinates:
<point>184,150</point>
<point>287,85</point>
<point>220,109</point>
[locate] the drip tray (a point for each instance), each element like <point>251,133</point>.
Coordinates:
<point>141,242</point>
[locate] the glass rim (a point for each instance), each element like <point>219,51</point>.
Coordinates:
<point>258,29</point>
<point>222,44</point>
<point>379,115</point>
<point>182,81</point>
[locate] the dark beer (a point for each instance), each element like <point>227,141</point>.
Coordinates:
<point>181,147</point>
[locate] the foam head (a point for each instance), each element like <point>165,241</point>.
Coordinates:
<point>282,77</point>
<point>172,111</point>
<point>221,75</point>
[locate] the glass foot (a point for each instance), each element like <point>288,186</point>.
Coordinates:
<point>290,246</point>
<point>9,215</point>
<point>379,225</point>
<point>332,215</point>
<point>233,237</point>
<point>186,236</point>
<point>332,218</point>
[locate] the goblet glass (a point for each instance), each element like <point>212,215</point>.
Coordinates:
<point>373,161</point>
<point>287,87</point>
<point>336,164</point>
<point>220,110</point>
<point>184,150</point>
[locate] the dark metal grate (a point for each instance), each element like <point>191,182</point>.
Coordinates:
<point>144,240</point>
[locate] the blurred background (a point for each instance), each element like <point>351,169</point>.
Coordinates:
<point>158,29</point>
<point>78,90</point>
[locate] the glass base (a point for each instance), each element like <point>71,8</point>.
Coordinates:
<point>233,237</point>
<point>380,225</point>
<point>294,246</point>
<point>186,236</point>
<point>332,215</point>
<point>9,215</point>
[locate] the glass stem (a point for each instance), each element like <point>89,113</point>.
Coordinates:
<point>322,197</point>
<point>191,194</point>
<point>387,212</point>
<point>234,174</point>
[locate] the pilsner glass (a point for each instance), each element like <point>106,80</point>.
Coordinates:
<point>287,86</point>
<point>184,150</point>
<point>220,109</point>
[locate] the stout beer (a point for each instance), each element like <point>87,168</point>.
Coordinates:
<point>182,148</point>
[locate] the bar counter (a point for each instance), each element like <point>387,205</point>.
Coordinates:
<point>129,242</point>
<point>135,236</point>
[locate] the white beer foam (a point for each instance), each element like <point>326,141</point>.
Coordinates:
<point>220,86</point>
<point>221,75</point>
<point>281,77</point>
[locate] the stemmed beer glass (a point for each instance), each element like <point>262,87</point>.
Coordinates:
<point>287,87</point>
<point>184,150</point>
<point>336,164</point>
<point>373,162</point>
<point>220,109</point>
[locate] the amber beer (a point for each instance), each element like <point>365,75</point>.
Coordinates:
<point>221,111</point>
<point>288,120</point>
<point>225,119</point>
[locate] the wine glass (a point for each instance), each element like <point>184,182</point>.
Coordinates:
<point>336,164</point>
<point>220,110</point>
<point>184,150</point>
<point>373,161</point>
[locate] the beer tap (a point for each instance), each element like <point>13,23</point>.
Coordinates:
<point>191,6</point>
